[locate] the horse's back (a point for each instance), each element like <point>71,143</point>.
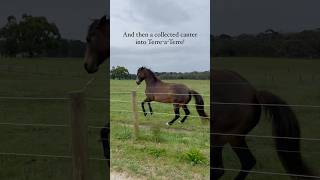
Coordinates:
<point>231,93</point>
<point>229,86</point>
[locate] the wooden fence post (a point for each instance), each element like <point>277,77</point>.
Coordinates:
<point>79,134</point>
<point>135,114</point>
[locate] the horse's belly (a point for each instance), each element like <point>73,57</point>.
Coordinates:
<point>164,99</point>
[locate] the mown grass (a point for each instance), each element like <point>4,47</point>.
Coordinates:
<point>180,151</point>
<point>156,159</point>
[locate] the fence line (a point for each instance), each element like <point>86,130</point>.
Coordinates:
<point>267,137</point>
<point>34,125</point>
<point>257,104</point>
<point>160,93</point>
<point>31,98</point>
<point>168,114</point>
<point>58,74</point>
<point>155,101</point>
<point>267,150</point>
<point>46,125</point>
<point>105,99</point>
<point>267,173</point>
<point>219,134</point>
<point>47,156</point>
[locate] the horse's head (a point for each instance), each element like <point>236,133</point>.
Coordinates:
<point>141,75</point>
<point>98,44</point>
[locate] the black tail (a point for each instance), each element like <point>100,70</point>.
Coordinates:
<point>285,124</point>
<point>199,104</point>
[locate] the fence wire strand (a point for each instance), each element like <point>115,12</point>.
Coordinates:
<point>266,173</point>
<point>47,156</point>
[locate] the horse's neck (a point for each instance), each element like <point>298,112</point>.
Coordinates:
<point>151,81</point>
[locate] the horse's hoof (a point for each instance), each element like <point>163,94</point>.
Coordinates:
<point>151,113</point>
<point>181,122</point>
<point>168,124</point>
<point>145,114</point>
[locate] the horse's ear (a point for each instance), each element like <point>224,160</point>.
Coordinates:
<point>103,20</point>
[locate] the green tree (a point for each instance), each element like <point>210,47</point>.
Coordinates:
<point>37,35</point>
<point>31,36</point>
<point>9,37</point>
<point>119,72</point>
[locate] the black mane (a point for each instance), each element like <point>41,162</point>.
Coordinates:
<point>150,72</point>
<point>92,27</point>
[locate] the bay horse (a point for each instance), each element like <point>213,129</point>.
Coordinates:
<point>177,94</point>
<point>236,108</point>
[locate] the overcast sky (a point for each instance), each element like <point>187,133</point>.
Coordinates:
<point>229,16</point>
<point>253,16</point>
<point>161,16</point>
<point>71,16</point>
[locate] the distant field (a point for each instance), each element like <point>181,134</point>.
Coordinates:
<point>160,150</point>
<point>297,82</point>
<point>45,78</point>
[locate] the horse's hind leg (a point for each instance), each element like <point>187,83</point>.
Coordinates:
<point>186,110</point>
<point>177,114</point>
<point>245,156</point>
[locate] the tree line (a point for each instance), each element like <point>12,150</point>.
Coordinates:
<point>35,36</point>
<point>122,73</point>
<point>305,44</point>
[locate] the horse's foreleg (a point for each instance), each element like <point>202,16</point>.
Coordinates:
<point>104,134</point>
<point>186,110</point>
<point>245,156</point>
<point>177,114</point>
<point>150,108</point>
<point>143,109</point>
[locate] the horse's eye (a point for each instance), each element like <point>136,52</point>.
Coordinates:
<point>88,39</point>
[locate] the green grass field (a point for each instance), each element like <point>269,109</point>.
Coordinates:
<point>45,78</point>
<point>165,152</point>
<point>160,150</point>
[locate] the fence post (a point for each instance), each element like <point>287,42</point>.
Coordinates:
<point>135,114</point>
<point>79,134</point>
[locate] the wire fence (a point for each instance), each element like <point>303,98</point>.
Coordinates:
<point>159,113</point>
<point>267,173</point>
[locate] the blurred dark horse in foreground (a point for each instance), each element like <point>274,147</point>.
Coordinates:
<point>98,44</point>
<point>237,107</point>
<point>97,51</point>
<point>237,114</point>
<point>178,95</point>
